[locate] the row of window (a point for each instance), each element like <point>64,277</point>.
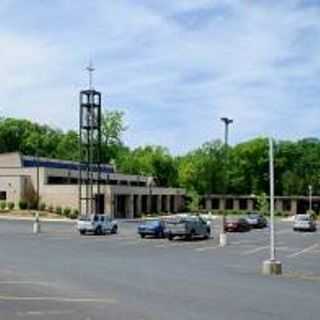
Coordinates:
<point>243,204</point>
<point>69,180</point>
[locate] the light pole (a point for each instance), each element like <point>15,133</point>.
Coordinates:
<point>271,266</point>
<point>223,234</point>
<point>150,182</point>
<point>310,197</point>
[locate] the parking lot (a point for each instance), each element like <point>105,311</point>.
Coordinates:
<point>59,274</point>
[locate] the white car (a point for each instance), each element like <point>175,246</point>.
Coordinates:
<point>97,224</point>
<point>304,222</point>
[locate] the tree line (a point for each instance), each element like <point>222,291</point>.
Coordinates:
<point>203,170</point>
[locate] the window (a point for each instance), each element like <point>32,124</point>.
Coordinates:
<point>215,204</point>
<point>229,204</point>
<point>243,204</point>
<point>3,195</point>
<point>286,205</point>
<point>57,180</point>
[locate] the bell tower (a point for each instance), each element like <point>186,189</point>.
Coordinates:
<point>90,200</point>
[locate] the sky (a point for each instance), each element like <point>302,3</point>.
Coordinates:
<point>174,67</point>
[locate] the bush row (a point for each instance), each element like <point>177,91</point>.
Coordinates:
<point>6,205</point>
<point>67,212</point>
<point>243,212</point>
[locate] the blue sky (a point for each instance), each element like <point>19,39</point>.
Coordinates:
<point>173,66</point>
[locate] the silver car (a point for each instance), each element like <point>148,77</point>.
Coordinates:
<point>304,222</point>
<point>98,224</point>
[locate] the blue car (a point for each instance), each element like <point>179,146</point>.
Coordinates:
<point>153,228</point>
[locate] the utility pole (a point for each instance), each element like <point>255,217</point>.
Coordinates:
<point>271,266</point>
<point>223,234</point>
<point>310,197</point>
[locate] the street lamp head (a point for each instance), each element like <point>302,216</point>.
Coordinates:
<point>226,120</point>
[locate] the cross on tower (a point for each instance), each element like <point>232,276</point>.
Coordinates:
<point>90,70</point>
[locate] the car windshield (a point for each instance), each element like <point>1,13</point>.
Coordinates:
<point>302,218</point>
<point>253,215</point>
<point>84,218</point>
<point>232,220</point>
<point>153,223</point>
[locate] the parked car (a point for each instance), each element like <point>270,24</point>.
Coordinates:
<point>188,228</point>
<point>304,222</point>
<point>236,225</point>
<point>256,220</point>
<point>155,228</point>
<point>97,224</point>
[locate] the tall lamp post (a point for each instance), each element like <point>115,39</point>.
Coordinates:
<point>150,182</point>
<point>271,266</point>
<point>223,235</point>
<point>310,197</point>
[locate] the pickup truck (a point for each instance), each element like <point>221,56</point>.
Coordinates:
<point>188,228</point>
<point>97,224</point>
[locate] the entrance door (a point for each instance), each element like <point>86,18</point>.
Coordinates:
<point>99,202</point>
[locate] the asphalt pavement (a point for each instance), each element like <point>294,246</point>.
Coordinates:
<point>59,274</point>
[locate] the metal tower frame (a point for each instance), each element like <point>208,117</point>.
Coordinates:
<point>90,150</point>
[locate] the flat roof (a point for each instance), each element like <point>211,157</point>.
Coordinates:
<point>29,161</point>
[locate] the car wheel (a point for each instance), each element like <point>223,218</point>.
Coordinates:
<point>207,235</point>
<point>142,235</point>
<point>98,231</point>
<point>114,229</point>
<point>190,235</point>
<point>170,237</point>
<point>82,232</point>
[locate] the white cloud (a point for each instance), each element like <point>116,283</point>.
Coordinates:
<point>174,66</point>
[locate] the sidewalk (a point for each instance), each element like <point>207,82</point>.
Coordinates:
<point>18,218</point>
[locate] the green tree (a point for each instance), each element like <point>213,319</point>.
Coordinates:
<point>112,129</point>
<point>263,204</point>
<point>149,161</point>
<point>193,201</point>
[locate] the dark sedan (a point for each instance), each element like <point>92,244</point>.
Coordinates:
<point>256,220</point>
<point>236,225</point>
<point>154,228</point>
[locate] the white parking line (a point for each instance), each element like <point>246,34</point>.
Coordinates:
<point>37,283</point>
<point>44,313</point>
<point>284,231</point>
<point>253,251</point>
<point>206,248</point>
<point>303,251</point>
<point>58,299</point>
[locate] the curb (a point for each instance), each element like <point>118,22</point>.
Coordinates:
<point>10,218</point>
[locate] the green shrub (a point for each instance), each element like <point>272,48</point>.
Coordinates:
<point>312,214</point>
<point>3,205</point>
<point>278,214</point>
<point>23,205</point>
<point>10,205</point>
<point>66,211</point>
<point>42,206</point>
<point>59,210</point>
<point>32,204</point>
<point>74,214</point>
